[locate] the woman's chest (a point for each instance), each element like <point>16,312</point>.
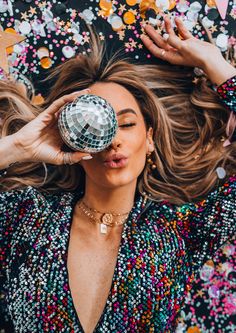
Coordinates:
<point>91,264</point>
<point>138,286</point>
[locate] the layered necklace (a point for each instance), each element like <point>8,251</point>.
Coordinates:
<point>104,219</point>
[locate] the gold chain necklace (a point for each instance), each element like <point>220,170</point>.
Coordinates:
<point>105,219</point>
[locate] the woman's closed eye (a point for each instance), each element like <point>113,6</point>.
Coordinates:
<point>127,125</point>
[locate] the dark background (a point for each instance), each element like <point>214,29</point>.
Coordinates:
<point>25,64</point>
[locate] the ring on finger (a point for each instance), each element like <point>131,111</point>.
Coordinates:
<point>67,158</point>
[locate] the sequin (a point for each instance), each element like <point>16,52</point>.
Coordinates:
<point>227,92</point>
<point>162,246</point>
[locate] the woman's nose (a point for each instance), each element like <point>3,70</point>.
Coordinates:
<point>115,144</point>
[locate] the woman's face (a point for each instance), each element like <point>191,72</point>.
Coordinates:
<point>123,161</point>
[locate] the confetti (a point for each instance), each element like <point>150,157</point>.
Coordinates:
<point>59,29</point>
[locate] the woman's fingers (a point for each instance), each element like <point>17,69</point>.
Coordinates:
<point>70,158</point>
<point>49,116</point>
<point>158,39</point>
<point>153,48</point>
<point>182,29</point>
<point>168,25</point>
<point>171,56</point>
<point>60,102</point>
<point>169,42</point>
<point>172,39</point>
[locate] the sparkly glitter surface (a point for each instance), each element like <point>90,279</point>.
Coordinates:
<point>59,28</point>
<point>227,93</point>
<point>162,246</point>
<point>88,124</point>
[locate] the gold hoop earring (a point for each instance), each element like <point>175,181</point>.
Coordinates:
<point>150,162</point>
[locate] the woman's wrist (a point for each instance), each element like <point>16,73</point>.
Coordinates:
<point>218,70</point>
<point>9,152</point>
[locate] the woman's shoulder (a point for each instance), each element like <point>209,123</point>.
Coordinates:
<point>13,198</point>
<point>31,198</point>
<point>18,192</point>
<point>222,194</point>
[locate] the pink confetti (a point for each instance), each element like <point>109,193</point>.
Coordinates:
<point>222,6</point>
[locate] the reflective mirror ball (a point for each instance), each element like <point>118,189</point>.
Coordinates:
<point>88,124</point>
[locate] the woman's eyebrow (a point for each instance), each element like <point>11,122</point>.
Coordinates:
<point>123,111</point>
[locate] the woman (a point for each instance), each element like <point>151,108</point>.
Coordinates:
<point>63,274</point>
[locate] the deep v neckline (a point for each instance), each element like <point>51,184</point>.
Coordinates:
<point>133,214</point>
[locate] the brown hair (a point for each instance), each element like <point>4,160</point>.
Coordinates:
<point>187,117</point>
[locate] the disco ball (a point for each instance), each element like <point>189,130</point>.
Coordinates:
<point>88,124</point>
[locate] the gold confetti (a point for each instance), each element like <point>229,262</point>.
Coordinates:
<point>38,99</point>
<point>129,18</point>
<point>172,4</point>
<point>211,3</point>
<point>46,62</point>
<point>105,5</point>
<point>145,5</point>
<point>131,2</point>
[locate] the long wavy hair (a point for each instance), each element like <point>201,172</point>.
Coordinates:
<point>186,114</point>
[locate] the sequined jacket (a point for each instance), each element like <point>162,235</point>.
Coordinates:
<point>162,246</point>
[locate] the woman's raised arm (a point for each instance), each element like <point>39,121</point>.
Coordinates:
<point>39,140</point>
<point>187,50</point>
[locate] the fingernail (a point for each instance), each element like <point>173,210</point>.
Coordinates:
<point>87,157</point>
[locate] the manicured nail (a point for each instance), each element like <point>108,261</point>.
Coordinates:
<point>87,157</point>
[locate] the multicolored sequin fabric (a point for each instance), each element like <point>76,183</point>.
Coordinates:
<point>227,91</point>
<point>162,247</point>
<point>160,250</point>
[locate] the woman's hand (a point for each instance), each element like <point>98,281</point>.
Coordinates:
<point>187,50</point>
<point>184,49</point>
<point>40,141</point>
